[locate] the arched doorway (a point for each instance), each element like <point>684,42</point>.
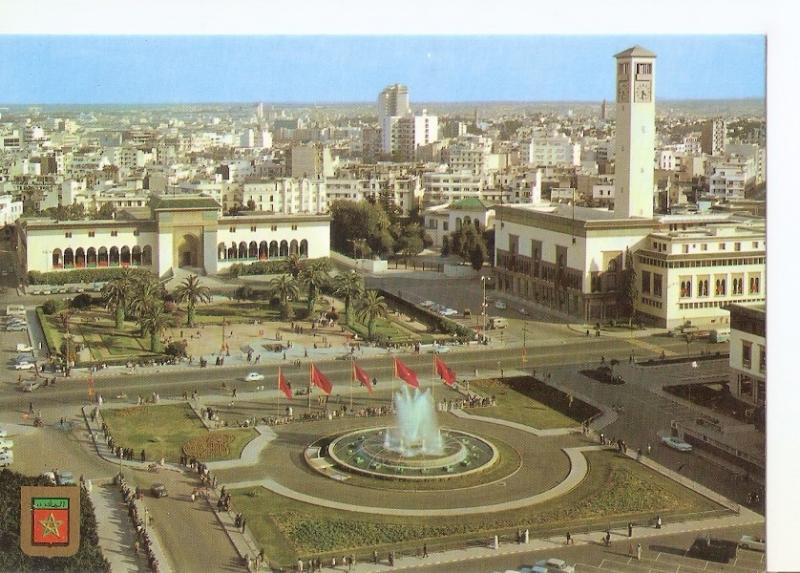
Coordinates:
<point>189,251</point>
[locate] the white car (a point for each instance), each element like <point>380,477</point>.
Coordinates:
<point>501,305</point>
<point>6,443</point>
<point>23,366</point>
<point>254,377</point>
<point>676,444</point>
<point>24,348</point>
<point>554,565</point>
<point>753,543</point>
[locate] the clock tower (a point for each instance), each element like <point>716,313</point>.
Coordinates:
<point>635,133</point>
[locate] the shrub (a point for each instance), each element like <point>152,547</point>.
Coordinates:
<point>82,301</point>
<point>52,306</point>
<point>78,276</point>
<point>176,349</point>
<point>208,446</point>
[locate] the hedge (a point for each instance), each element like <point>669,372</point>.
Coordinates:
<point>47,329</point>
<point>79,276</point>
<point>275,267</point>
<point>89,557</point>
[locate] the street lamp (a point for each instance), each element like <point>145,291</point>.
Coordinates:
<point>484,279</point>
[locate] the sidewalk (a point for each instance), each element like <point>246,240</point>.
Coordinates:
<point>115,529</point>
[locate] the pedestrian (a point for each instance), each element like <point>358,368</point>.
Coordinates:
<point>30,406</point>
<point>608,538</point>
<point>630,529</point>
<point>142,456</point>
<point>244,523</point>
<point>391,558</point>
<point>300,566</point>
<point>424,550</point>
<point>658,522</point>
<point>649,449</point>
<point>638,551</point>
<point>527,536</point>
<point>569,539</point>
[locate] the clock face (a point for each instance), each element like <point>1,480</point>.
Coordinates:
<point>642,92</point>
<point>622,92</point>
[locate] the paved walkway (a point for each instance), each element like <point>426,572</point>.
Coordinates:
<point>115,529</point>
<point>250,453</point>
<point>578,470</point>
<point>458,413</point>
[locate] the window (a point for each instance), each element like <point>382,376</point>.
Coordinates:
<point>755,286</point>
<point>294,227</point>
<point>722,246</point>
<point>91,233</point>
<point>232,230</point>
<point>719,287</point>
<point>273,228</point>
<point>657,284</point>
<point>113,233</point>
<point>645,282</point>
<point>704,247</point>
<point>686,288</point>
<point>747,354</point>
<point>738,286</point>
<point>762,358</point>
<point>737,246</point>
<point>445,225</point>
<point>702,287</point>
<point>685,249</point>
<point>755,244</point>
<point>67,235</point>
<point>253,229</point>
<point>136,232</point>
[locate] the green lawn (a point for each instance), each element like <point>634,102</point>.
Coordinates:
<point>390,330</point>
<point>616,489</point>
<point>244,312</point>
<point>162,430</point>
<point>515,406</point>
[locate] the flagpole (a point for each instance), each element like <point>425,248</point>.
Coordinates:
<point>352,380</point>
<point>433,377</point>
<point>310,370</point>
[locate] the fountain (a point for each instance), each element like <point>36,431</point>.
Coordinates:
<point>414,448</point>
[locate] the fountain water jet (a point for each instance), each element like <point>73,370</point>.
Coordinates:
<point>417,430</point>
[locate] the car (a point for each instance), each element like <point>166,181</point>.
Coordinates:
<point>30,385</point>
<point>16,320</point>
<point>26,357</point>
<point>17,327</point>
<point>24,366</point>
<point>49,478</point>
<point>24,347</point>
<point>427,303</point>
<point>254,377</point>
<point>554,565</point>
<point>676,444</point>
<point>501,304</point>
<point>6,443</point>
<point>6,458</point>
<point>65,478</point>
<point>158,490</point>
<point>753,543</point>
<point>712,549</point>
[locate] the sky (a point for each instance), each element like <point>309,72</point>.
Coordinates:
<point>182,69</point>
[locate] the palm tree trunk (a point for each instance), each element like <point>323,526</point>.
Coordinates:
<point>347,309</point>
<point>155,343</point>
<point>370,326</point>
<point>119,316</point>
<point>189,315</point>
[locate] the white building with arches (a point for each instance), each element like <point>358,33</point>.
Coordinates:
<point>174,231</point>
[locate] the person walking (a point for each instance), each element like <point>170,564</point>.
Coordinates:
<point>638,551</point>
<point>570,541</point>
<point>608,538</point>
<point>375,556</point>
<point>424,550</point>
<point>630,529</point>
<point>244,523</point>
<point>658,522</point>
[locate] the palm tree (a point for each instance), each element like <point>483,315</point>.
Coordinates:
<point>370,308</point>
<point>116,295</point>
<point>349,286</point>
<point>153,321</point>
<point>284,287</point>
<point>192,292</point>
<point>294,265</point>
<point>146,294</point>
<point>314,275</point>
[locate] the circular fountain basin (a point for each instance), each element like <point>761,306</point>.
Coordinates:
<point>364,452</point>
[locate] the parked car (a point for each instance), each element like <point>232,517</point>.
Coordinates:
<point>676,444</point>
<point>428,303</point>
<point>254,377</point>
<point>554,565</point>
<point>6,458</point>
<point>711,549</point>
<point>30,385</point>
<point>27,357</point>
<point>17,327</point>
<point>753,543</point>
<point>24,366</point>
<point>158,490</point>
<point>500,304</point>
<point>21,347</point>
<point>65,478</point>
<point>6,443</point>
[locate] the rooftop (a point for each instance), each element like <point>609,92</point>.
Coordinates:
<point>637,52</point>
<point>161,202</point>
<point>469,204</point>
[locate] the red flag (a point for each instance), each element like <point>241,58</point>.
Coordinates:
<point>361,376</point>
<point>321,381</point>
<point>405,373</point>
<point>445,373</point>
<point>283,385</point>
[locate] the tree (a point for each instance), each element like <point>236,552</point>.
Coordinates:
<point>191,292</point>
<point>146,294</point>
<point>349,286</point>
<point>314,275</point>
<point>115,295</point>
<point>370,308</point>
<point>106,211</point>
<point>628,293</point>
<point>477,255</point>
<point>285,288</point>
<point>294,265</point>
<point>64,317</point>
<point>153,321</point>
<point>251,204</point>
<point>445,246</point>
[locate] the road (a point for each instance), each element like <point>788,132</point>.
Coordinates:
<point>663,554</point>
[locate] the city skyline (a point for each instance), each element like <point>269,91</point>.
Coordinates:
<point>307,69</point>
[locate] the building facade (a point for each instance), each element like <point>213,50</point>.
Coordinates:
<point>748,353</point>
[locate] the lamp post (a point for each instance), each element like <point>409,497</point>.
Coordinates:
<point>484,278</point>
